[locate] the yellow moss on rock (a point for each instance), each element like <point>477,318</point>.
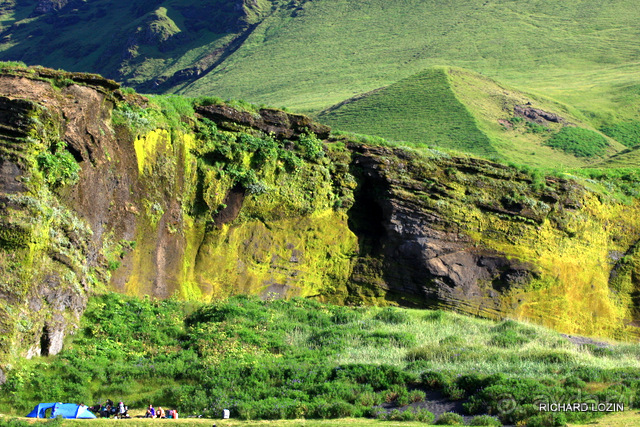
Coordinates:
<point>306,256</point>
<point>573,293</point>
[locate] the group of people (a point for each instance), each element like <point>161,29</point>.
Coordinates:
<point>108,409</point>
<point>161,413</point>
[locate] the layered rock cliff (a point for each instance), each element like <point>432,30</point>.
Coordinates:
<point>167,197</point>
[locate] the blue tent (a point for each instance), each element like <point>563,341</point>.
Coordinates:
<point>66,410</point>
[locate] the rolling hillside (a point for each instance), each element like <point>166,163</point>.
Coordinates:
<point>309,55</point>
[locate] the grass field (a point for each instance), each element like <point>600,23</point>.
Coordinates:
<point>310,55</point>
<point>313,54</point>
<point>625,419</point>
<point>144,422</point>
<point>293,359</point>
<point>421,109</point>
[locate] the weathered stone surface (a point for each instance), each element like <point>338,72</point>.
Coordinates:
<point>536,115</point>
<point>425,257</point>
<point>280,124</point>
<point>48,6</point>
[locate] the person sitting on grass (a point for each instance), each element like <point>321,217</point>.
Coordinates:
<point>151,412</point>
<point>160,413</point>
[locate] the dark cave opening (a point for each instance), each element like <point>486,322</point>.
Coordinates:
<point>45,341</point>
<point>366,218</point>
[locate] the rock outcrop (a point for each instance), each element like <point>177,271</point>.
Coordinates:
<point>280,124</point>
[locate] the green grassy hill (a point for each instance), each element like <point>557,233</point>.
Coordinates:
<point>309,55</point>
<point>421,109</point>
<point>465,111</point>
<point>335,49</point>
<point>280,359</point>
<point>629,158</point>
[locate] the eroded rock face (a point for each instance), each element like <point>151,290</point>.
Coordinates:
<point>198,213</point>
<point>146,215</point>
<point>422,254</point>
<point>536,115</point>
<point>55,234</point>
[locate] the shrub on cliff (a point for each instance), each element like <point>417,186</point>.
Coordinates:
<point>58,165</point>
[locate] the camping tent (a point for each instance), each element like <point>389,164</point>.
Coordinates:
<point>66,410</point>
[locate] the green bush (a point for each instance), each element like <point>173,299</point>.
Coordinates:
<point>485,420</point>
<point>533,127</point>
<point>579,142</point>
<point>435,379</point>
<point>450,419</point>
<point>58,165</point>
<point>310,146</point>
<point>417,396</point>
<point>13,422</point>
<point>407,415</point>
<point>343,315</point>
<point>508,339</point>
<point>453,392</point>
<point>424,416</point>
<point>549,419</point>
<point>472,383</point>
<point>626,133</point>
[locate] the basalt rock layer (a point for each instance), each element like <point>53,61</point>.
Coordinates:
<point>103,189</point>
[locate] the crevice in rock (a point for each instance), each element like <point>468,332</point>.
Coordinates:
<point>232,205</point>
<point>366,217</point>
<point>45,341</point>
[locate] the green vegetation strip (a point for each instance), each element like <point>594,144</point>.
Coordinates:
<point>297,359</point>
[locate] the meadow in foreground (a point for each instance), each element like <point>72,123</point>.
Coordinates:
<point>297,359</point>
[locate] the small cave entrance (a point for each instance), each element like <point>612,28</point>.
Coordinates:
<point>366,217</point>
<point>45,341</point>
<point>230,208</point>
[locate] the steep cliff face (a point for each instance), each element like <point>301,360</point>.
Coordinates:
<point>105,190</point>
<point>168,197</point>
<point>488,239</point>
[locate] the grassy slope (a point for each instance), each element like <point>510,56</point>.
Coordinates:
<point>338,48</point>
<point>460,110</point>
<point>95,36</point>
<point>584,53</point>
<point>625,159</point>
<point>420,109</point>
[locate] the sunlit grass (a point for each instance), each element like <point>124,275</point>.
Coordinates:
<point>545,354</point>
